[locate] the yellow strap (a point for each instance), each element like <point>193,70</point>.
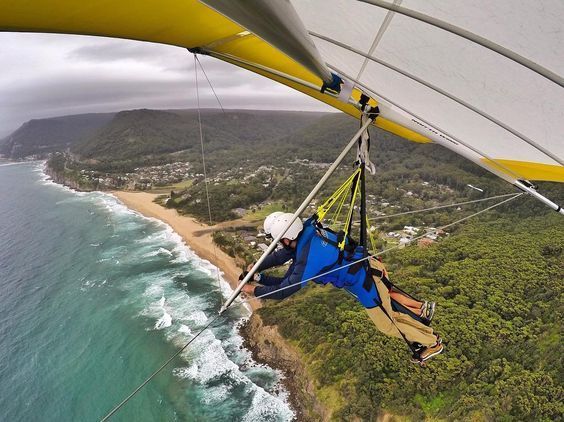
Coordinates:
<point>350,213</point>
<point>337,214</point>
<point>324,208</point>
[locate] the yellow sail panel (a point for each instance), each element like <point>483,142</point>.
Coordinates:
<point>254,50</point>
<point>532,171</point>
<point>184,23</point>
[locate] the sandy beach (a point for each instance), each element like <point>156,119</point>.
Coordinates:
<point>196,235</point>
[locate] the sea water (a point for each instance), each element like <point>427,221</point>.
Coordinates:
<point>95,297</point>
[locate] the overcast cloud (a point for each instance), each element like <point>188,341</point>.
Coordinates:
<point>47,75</point>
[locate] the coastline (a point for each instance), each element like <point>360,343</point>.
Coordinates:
<point>264,342</point>
<point>196,235</point>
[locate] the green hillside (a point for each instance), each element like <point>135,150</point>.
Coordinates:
<point>142,136</point>
<point>431,173</point>
<point>42,136</point>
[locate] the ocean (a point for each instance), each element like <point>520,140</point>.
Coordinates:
<point>94,297</point>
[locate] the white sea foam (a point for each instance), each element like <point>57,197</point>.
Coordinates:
<point>184,329</point>
<point>160,251</point>
<point>180,250</point>
<point>212,362</point>
<point>198,317</point>
<point>188,372</point>
<point>215,395</point>
<point>88,284</point>
<point>154,289</point>
<point>265,407</point>
<point>163,322</point>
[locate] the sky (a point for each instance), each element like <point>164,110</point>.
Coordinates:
<point>47,75</point>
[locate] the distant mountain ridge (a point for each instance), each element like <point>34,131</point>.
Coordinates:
<point>42,136</point>
<point>140,133</point>
<point>137,134</point>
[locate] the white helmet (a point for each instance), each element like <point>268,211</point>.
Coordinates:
<point>282,221</point>
<point>270,219</point>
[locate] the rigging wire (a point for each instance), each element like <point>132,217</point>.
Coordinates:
<point>210,84</point>
<point>205,174</point>
<point>243,301</point>
<point>383,217</point>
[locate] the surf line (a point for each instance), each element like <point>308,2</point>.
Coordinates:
<point>154,374</point>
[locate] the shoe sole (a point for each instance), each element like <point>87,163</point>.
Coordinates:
<point>438,352</point>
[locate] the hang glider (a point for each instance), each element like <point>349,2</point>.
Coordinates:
<point>480,78</point>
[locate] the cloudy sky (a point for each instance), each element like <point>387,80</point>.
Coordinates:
<point>46,75</point>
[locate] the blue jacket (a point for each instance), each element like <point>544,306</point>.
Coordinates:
<point>317,257</point>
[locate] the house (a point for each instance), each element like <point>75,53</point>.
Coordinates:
<point>403,242</point>
<point>425,242</point>
<point>410,230</point>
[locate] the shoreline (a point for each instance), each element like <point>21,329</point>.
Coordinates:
<point>265,343</point>
<point>196,235</point>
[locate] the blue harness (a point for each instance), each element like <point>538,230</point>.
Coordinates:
<point>325,263</point>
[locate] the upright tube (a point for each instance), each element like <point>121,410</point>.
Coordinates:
<point>296,215</point>
<point>538,196</point>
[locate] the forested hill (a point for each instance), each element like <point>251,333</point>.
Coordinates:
<point>138,134</point>
<point>498,286</point>
<point>41,136</point>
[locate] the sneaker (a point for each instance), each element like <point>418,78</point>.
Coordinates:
<point>431,351</point>
<point>428,311</point>
<point>423,307</point>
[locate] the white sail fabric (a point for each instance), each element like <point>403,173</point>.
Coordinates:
<point>520,98</point>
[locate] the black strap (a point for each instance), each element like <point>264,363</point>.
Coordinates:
<point>380,274</point>
<point>414,350</point>
<point>350,246</point>
<point>369,281</point>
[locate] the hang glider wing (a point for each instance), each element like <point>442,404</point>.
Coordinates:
<point>431,85</point>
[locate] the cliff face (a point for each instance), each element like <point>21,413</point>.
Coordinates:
<point>62,178</point>
<point>269,347</point>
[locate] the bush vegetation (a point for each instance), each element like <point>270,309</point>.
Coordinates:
<point>498,285</point>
